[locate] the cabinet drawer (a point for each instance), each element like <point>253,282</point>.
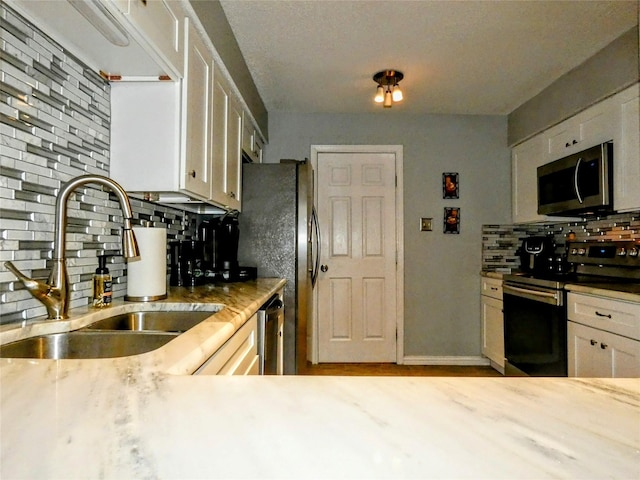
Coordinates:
<point>615,316</point>
<point>491,287</point>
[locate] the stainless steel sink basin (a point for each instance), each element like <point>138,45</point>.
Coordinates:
<point>151,321</point>
<point>86,344</point>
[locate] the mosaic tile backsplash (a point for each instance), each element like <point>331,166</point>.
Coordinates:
<point>500,242</point>
<point>54,126</point>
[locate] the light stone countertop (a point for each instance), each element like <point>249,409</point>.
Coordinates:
<point>129,419</point>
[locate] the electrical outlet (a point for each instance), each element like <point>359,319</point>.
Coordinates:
<point>425,224</point>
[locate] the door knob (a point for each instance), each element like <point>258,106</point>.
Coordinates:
<point>324,268</point>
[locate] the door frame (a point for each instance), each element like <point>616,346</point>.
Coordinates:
<point>397,150</point>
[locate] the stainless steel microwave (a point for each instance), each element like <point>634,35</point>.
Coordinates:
<point>578,184</point>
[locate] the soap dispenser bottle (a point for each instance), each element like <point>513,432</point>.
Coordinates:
<point>102,284</point>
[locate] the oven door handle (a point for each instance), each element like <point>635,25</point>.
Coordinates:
<point>525,292</point>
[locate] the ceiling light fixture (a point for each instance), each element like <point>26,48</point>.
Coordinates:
<point>388,90</point>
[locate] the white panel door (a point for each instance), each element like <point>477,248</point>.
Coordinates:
<point>357,283</point>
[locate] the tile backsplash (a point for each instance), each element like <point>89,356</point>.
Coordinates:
<point>54,126</point>
<point>500,242</point>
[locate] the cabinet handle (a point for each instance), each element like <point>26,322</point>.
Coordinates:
<point>603,346</point>
<point>495,289</point>
<point>574,142</point>
<point>324,268</point>
<point>232,194</point>
<point>602,314</point>
<point>567,145</point>
<point>192,173</point>
<point>593,342</point>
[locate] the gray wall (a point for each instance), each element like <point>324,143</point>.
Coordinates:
<point>609,71</point>
<point>442,292</point>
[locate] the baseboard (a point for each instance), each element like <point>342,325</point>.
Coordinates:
<point>449,360</point>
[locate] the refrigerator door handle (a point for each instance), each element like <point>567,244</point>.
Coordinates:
<point>316,251</point>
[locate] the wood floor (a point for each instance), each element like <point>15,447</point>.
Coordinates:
<point>391,369</point>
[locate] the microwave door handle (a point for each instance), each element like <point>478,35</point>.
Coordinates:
<point>576,185</point>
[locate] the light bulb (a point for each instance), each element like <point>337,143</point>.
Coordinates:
<point>387,99</point>
<point>397,94</point>
<point>379,98</point>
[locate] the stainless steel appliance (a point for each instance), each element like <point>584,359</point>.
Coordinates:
<point>280,236</point>
<point>535,316</point>
<point>270,341</point>
<point>578,184</point>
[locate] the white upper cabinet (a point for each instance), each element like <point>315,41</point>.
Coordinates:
<point>180,142</point>
<point>626,150</point>
<point>227,149</point>
<point>196,174</point>
<point>160,23</point>
<point>151,28</point>
<point>588,128</point>
<point>616,119</point>
<point>525,159</point>
<point>252,143</point>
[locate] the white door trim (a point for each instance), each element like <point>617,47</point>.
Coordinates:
<point>398,151</point>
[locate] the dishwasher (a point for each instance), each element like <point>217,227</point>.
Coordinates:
<point>270,340</point>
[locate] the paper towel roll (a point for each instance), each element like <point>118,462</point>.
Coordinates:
<point>147,275</point>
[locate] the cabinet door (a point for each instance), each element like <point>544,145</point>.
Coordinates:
<point>595,353</point>
<point>197,85</point>
<point>626,151</point>
<point>525,160</point>
<point>585,358</point>
<point>238,356</point>
<point>227,147</point>
<point>584,130</point>
<point>493,330</point>
<point>159,23</point>
<point>234,154</point>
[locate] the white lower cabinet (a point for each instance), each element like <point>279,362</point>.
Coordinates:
<point>238,356</point>
<point>603,337</point>
<point>596,353</point>
<point>492,322</point>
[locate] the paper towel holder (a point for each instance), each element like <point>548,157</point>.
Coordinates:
<point>157,256</point>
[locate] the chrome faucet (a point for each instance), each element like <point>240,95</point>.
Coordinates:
<point>56,292</point>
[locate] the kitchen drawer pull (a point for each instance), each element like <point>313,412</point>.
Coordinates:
<point>603,346</point>
<point>603,314</point>
<point>593,342</point>
<point>192,173</point>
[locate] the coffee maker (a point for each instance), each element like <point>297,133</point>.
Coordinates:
<point>186,263</point>
<point>219,237</point>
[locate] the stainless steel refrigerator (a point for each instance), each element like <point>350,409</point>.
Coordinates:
<point>279,234</point>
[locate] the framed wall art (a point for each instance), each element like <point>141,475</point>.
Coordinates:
<point>451,220</point>
<point>450,186</point>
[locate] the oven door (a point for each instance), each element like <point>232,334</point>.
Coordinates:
<point>535,331</point>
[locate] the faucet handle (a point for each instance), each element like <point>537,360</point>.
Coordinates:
<point>37,288</point>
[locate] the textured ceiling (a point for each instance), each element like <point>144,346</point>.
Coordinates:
<point>468,57</point>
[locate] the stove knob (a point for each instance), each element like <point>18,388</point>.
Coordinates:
<point>582,251</point>
<point>622,252</point>
<point>574,251</point>
<point>633,252</point>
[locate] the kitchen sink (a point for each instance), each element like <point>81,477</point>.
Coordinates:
<point>175,321</point>
<point>86,344</point>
